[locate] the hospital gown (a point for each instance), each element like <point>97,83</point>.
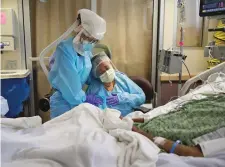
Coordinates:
<point>130,95</point>
<point>68,75</point>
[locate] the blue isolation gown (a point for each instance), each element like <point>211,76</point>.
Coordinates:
<point>130,94</point>
<point>68,74</point>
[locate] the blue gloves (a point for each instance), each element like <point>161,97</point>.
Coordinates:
<point>112,100</point>
<point>95,100</point>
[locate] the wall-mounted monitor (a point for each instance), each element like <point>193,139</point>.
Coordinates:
<point>212,7</point>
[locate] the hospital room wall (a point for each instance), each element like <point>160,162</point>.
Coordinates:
<point>14,59</point>
<point>195,61</point>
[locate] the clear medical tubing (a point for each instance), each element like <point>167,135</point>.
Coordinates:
<point>53,44</point>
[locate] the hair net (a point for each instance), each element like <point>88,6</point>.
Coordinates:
<point>97,60</point>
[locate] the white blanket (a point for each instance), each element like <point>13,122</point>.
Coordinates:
<point>172,160</point>
<point>83,137</point>
<point>214,85</point>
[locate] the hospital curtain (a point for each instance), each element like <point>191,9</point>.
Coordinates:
<point>48,21</point>
<point>129,34</point>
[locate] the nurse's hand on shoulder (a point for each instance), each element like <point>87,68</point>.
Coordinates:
<point>93,99</point>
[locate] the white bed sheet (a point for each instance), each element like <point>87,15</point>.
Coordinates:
<point>172,160</point>
<point>82,137</point>
<point>85,136</point>
<point>214,85</point>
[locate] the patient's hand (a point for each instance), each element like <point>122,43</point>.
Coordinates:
<point>138,120</point>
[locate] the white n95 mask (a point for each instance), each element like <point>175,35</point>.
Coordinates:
<point>108,76</point>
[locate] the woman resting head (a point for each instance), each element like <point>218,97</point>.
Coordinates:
<point>109,88</point>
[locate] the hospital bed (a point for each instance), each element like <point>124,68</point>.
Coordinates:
<point>187,93</point>
<point>53,142</point>
<point>202,77</point>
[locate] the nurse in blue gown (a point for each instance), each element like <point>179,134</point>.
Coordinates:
<point>71,64</point>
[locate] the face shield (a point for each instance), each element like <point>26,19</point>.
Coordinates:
<point>89,23</point>
<point>101,64</point>
<point>92,29</point>
<point>92,23</point>
<point>84,42</point>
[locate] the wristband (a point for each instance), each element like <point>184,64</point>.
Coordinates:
<point>174,146</point>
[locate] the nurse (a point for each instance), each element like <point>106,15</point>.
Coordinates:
<point>115,88</point>
<point>71,63</point>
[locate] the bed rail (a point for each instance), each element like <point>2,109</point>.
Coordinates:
<point>202,76</point>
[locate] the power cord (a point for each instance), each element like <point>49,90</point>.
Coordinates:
<point>186,68</point>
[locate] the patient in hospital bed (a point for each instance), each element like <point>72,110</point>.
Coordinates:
<point>198,124</point>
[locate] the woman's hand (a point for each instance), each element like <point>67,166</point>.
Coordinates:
<point>112,100</point>
<point>95,100</point>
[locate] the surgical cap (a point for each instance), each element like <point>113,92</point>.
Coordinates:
<point>92,23</point>
<point>97,60</point>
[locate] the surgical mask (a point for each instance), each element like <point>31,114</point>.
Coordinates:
<point>82,47</point>
<point>108,76</point>
<point>87,46</point>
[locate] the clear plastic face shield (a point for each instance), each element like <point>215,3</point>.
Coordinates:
<point>84,42</point>
<point>89,28</point>
<point>103,68</point>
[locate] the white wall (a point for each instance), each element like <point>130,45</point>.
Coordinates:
<point>195,61</point>
<point>14,56</point>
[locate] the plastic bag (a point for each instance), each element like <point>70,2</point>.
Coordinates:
<point>4,105</point>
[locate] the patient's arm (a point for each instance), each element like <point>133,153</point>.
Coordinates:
<point>180,149</point>
<point>138,120</point>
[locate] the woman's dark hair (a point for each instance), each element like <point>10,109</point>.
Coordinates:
<point>79,19</point>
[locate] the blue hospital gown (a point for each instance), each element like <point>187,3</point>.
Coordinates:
<point>130,95</point>
<point>68,75</point>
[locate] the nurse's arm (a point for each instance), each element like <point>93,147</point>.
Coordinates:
<point>135,97</point>
<point>67,80</point>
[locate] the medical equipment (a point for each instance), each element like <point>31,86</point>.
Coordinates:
<point>216,48</point>
<point>8,29</point>
<point>216,52</point>
<point>171,61</point>
<point>211,8</point>
<point>214,10</point>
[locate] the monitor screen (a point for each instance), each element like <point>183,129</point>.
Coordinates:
<point>212,7</point>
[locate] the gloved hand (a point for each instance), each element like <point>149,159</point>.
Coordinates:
<point>95,100</point>
<point>112,100</point>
